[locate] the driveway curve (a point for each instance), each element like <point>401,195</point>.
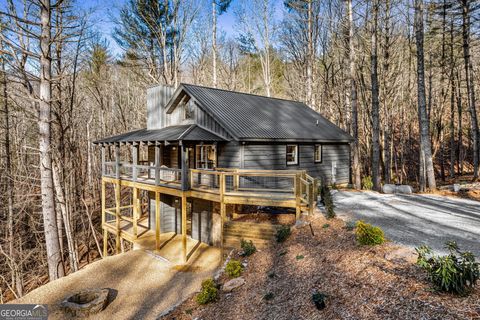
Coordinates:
<point>414,220</point>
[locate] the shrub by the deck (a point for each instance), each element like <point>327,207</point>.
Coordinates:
<point>248,247</point>
<point>457,272</point>
<point>209,292</point>
<point>282,233</point>
<point>367,234</point>
<point>234,268</point>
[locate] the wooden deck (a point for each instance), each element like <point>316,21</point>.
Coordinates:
<point>281,188</point>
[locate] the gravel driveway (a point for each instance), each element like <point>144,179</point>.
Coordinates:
<point>413,220</point>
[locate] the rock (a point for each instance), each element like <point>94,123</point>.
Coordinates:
<point>392,188</point>
<point>319,299</point>
<point>402,254</point>
<point>456,187</point>
<point>233,284</point>
<point>405,189</point>
<point>300,224</point>
<point>86,302</point>
<point>388,188</point>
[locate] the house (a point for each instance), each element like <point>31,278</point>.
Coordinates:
<point>206,152</point>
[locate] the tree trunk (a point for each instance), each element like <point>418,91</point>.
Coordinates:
<point>470,84</point>
<point>214,43</point>
<point>426,163</point>
<point>310,57</point>
<point>353,100</point>
<point>375,102</point>
<point>452,103</point>
<point>54,260</point>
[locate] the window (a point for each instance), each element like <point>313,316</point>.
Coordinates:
<point>188,110</point>
<point>206,157</point>
<point>318,153</point>
<point>292,154</point>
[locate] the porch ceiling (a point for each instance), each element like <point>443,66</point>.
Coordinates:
<point>190,132</point>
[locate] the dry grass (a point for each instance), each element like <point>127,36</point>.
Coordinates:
<point>359,281</point>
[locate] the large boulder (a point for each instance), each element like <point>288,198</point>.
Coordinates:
<point>86,302</point>
<point>401,188</point>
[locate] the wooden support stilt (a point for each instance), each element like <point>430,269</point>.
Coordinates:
<point>105,232</point>
<point>223,209</point>
<point>184,227</point>
<point>135,212</point>
<point>157,220</point>
<point>117,216</point>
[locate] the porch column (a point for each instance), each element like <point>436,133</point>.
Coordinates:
<point>134,161</point>
<point>117,160</point>
<point>158,156</point>
<point>184,163</point>
<point>105,232</point>
<point>184,226</point>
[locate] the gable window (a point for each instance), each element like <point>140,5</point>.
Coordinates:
<point>188,111</point>
<point>292,154</point>
<point>206,157</point>
<point>318,153</point>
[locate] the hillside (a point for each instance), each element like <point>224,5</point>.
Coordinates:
<point>359,281</point>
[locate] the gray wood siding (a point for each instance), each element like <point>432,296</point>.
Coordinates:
<point>202,220</point>
<point>205,120</point>
<point>168,221</point>
<point>157,98</point>
<point>273,157</point>
<point>229,155</point>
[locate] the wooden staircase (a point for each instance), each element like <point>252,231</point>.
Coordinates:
<point>261,234</point>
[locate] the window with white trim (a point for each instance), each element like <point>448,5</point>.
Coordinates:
<point>318,153</point>
<point>292,154</point>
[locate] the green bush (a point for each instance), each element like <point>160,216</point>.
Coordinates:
<point>283,233</point>
<point>367,234</point>
<point>350,225</point>
<point>234,268</point>
<point>367,183</point>
<point>327,200</point>
<point>456,272</point>
<point>248,247</point>
<point>209,292</point>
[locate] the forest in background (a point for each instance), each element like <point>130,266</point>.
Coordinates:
<point>400,76</point>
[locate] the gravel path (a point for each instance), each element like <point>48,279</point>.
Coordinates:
<point>413,220</point>
<point>144,284</point>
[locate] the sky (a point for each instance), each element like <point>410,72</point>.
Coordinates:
<point>104,13</point>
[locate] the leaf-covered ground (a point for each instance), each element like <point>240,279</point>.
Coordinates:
<point>359,282</point>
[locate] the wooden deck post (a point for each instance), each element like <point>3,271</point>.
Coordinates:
<point>135,212</point>
<point>157,220</point>
<point>297,197</point>
<point>184,226</point>
<point>223,208</point>
<point>117,215</point>
<point>105,232</point>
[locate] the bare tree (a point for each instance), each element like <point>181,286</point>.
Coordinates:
<point>375,100</point>
<point>425,146</point>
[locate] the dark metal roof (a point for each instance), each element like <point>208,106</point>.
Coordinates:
<point>257,118</point>
<point>190,132</point>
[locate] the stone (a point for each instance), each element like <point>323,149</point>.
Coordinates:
<point>388,188</point>
<point>456,187</point>
<point>86,302</point>
<point>404,189</point>
<point>402,254</point>
<point>233,284</point>
<point>392,188</point>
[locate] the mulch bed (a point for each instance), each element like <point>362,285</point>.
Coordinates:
<point>359,282</point>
